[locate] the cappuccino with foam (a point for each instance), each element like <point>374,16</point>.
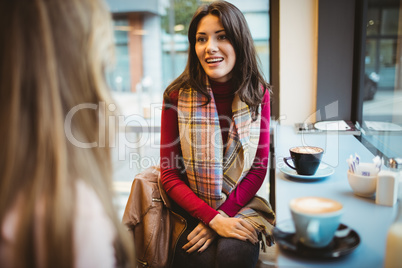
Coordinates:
<point>315,205</point>
<point>306,150</point>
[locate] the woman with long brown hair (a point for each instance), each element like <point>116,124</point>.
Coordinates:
<point>215,142</point>
<point>55,169</point>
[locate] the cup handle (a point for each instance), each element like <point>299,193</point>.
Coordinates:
<point>286,162</point>
<point>312,231</point>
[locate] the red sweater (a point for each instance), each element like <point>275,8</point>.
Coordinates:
<point>173,173</point>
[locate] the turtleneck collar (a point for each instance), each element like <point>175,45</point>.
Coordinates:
<point>222,90</point>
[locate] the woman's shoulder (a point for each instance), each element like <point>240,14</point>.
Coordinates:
<point>171,93</point>
<point>171,99</point>
<point>174,95</point>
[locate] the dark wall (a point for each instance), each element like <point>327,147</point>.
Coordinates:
<point>335,59</point>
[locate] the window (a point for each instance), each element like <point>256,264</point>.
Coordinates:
<point>382,97</point>
<point>120,78</point>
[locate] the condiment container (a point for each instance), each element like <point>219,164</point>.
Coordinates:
<point>387,188</point>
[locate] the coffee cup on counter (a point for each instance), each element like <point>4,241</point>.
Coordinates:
<point>316,220</point>
<point>306,159</point>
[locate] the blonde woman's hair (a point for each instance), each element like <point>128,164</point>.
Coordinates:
<point>53,55</point>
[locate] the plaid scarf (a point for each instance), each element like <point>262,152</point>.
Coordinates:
<point>213,171</point>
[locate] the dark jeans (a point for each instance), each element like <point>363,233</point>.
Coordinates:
<point>223,252</point>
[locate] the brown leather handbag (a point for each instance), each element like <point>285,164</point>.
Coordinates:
<point>148,215</point>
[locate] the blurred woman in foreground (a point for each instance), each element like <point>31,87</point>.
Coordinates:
<point>55,169</point>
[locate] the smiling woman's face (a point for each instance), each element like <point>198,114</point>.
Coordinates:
<point>214,50</point>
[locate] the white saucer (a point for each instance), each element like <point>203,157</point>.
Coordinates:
<point>323,171</point>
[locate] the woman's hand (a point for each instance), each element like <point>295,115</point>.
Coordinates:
<point>234,228</point>
<point>200,238</point>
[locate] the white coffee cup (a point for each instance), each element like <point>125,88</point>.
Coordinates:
<point>316,220</point>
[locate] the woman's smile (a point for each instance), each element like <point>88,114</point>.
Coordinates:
<point>212,60</point>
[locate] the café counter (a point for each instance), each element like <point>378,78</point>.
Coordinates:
<point>369,220</point>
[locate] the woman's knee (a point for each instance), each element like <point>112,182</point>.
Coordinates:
<point>235,253</point>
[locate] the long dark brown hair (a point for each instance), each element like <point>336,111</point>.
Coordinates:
<point>247,77</point>
<point>53,56</point>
